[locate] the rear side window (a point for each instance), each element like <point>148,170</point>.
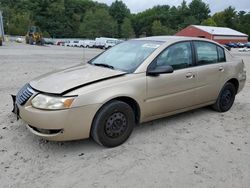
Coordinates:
<point>221,54</point>
<point>206,53</point>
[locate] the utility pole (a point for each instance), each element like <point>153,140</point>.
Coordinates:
<point>1,26</point>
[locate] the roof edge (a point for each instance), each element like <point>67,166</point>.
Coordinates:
<point>199,27</point>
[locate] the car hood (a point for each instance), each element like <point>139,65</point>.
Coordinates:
<point>63,81</point>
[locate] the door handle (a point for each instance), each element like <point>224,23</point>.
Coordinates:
<point>190,75</point>
<point>221,69</point>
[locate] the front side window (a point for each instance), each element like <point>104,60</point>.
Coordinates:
<point>178,56</point>
<point>206,53</point>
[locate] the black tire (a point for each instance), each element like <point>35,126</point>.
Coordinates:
<point>226,98</point>
<point>113,124</point>
<point>31,42</point>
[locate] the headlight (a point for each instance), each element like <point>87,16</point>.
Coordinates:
<point>52,103</point>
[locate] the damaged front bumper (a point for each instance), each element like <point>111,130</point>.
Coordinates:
<point>56,125</point>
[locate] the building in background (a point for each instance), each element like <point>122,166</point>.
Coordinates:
<point>221,35</point>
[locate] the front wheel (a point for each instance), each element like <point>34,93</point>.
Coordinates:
<point>226,98</point>
<point>113,124</point>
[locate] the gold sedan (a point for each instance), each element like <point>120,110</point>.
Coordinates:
<point>136,81</point>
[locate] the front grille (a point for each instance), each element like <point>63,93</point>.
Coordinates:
<point>24,94</point>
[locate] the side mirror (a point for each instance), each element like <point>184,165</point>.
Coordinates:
<point>167,69</point>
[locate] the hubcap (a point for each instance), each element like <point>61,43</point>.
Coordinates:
<point>226,98</point>
<point>116,125</point>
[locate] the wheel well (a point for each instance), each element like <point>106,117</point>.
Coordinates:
<point>235,82</point>
<point>133,104</point>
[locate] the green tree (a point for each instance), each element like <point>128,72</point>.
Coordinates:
<point>119,11</point>
<point>199,10</point>
<point>142,22</point>
<point>190,20</point>
<point>219,19</point>
<point>230,17</point>
<point>209,22</point>
<point>183,11</point>
<point>98,23</point>
<point>226,18</point>
<point>19,24</point>
<point>86,18</point>
<point>243,22</point>
<point>45,16</point>
<point>158,28</point>
<point>127,30</point>
<point>183,16</point>
<point>46,34</point>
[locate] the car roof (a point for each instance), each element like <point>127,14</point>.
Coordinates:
<point>171,38</point>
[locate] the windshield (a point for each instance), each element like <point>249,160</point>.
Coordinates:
<point>127,56</point>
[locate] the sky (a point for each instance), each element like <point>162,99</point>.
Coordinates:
<point>136,6</point>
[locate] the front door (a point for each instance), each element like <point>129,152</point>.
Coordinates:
<point>173,91</point>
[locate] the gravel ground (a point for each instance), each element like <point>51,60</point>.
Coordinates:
<point>200,148</point>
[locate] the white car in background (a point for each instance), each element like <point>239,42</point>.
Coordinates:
<point>111,43</point>
<point>19,40</point>
<point>73,43</point>
<point>66,43</point>
<point>86,43</point>
<point>101,42</point>
<point>244,49</point>
<point>80,43</point>
<point>89,43</point>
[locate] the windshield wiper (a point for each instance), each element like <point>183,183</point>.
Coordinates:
<point>104,65</point>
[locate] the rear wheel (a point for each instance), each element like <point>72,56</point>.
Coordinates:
<point>113,124</point>
<point>226,98</point>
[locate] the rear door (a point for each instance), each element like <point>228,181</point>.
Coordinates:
<point>210,63</point>
<point>174,91</point>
